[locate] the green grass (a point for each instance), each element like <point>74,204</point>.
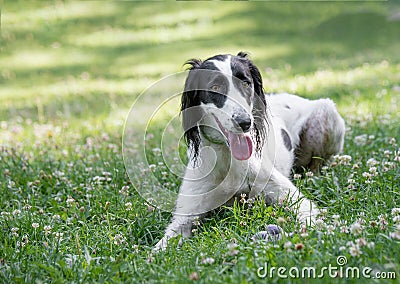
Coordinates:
<point>69,73</point>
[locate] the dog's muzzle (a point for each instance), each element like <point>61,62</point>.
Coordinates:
<point>243,120</point>
<point>240,144</point>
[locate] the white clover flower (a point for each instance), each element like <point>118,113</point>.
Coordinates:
<point>395,235</point>
<point>355,250</point>
<point>196,221</point>
<point>35,225</point>
<point>360,140</point>
<point>16,212</point>
<point>70,200</point>
<point>297,176</point>
<point>128,206</point>
<point>287,245</point>
<point>58,235</point>
<point>372,162</point>
<point>323,211</point>
<point>396,211</point>
<point>351,186</point>
<point>330,230</point>
<point>370,245</point>
<point>47,229</point>
<point>232,249</point>
<point>119,239</point>
<point>59,174</point>
<point>14,231</point>
<point>382,220</point>
<point>208,260</point>
<point>344,229</point>
<point>373,171</point>
<point>344,159</point>
<point>319,224</point>
<point>342,248</point>
<point>336,220</point>
<point>361,242</point>
<point>387,153</point>
<point>366,175</point>
<point>356,228</point>
<point>309,174</point>
<point>124,190</point>
<point>164,175</point>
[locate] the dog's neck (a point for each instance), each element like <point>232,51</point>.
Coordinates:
<point>209,138</point>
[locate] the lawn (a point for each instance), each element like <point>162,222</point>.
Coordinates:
<point>70,72</point>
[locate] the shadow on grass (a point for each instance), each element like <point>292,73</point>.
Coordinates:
<point>326,36</point>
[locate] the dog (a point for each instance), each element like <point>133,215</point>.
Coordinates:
<point>244,141</point>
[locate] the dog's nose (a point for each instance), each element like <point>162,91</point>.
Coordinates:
<point>243,120</point>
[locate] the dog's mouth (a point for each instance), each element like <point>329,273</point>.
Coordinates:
<point>240,144</point>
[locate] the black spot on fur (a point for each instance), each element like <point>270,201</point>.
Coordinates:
<point>286,140</point>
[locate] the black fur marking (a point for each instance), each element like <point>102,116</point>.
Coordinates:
<point>241,74</point>
<point>286,106</point>
<point>259,105</point>
<point>286,140</point>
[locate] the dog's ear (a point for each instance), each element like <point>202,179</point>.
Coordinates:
<point>259,105</point>
<point>194,63</point>
<point>243,54</point>
<point>255,74</point>
<point>190,109</point>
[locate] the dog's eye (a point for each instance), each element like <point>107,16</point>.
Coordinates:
<point>246,84</point>
<point>216,88</point>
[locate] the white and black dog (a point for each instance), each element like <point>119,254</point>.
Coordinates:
<point>242,141</point>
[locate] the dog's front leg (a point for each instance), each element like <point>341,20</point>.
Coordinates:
<point>195,199</point>
<point>180,225</point>
<point>280,188</point>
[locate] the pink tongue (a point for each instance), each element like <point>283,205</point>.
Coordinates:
<point>241,145</point>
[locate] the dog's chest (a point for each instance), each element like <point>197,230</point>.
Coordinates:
<point>236,176</point>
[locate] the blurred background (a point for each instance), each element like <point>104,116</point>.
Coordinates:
<point>69,66</point>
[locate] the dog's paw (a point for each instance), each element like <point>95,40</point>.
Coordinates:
<point>161,245</point>
<point>272,234</point>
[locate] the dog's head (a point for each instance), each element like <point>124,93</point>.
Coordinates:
<point>224,100</point>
